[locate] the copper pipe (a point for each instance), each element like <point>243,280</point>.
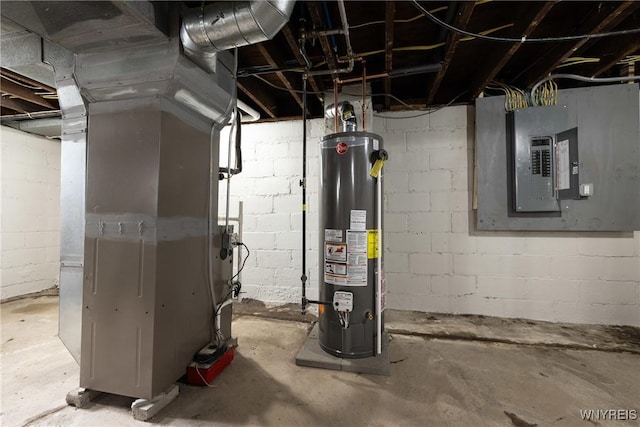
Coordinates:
<point>364,93</point>
<point>357,79</point>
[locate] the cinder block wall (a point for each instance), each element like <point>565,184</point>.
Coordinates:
<point>29,213</point>
<point>435,261</point>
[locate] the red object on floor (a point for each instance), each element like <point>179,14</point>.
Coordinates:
<point>208,371</point>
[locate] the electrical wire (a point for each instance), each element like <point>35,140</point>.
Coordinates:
<point>534,89</point>
<point>398,21</point>
<point>202,378</point>
<point>420,48</point>
<point>234,288</point>
<point>243,262</point>
<point>283,88</point>
<point>522,39</point>
<point>431,111</point>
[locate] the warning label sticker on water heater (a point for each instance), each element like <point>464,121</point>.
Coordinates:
<point>335,268</point>
<point>332,235</point>
<point>356,241</point>
<point>335,252</point>
<point>358,220</point>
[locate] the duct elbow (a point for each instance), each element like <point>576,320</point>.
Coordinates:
<point>226,25</point>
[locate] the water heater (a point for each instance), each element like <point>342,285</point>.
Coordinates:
<point>350,273</point>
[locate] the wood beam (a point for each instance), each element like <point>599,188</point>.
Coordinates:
<point>620,55</point>
<point>493,72</point>
<point>269,57</point>
<point>26,80</point>
<point>293,45</point>
<point>389,16</point>
<point>606,24</point>
<point>461,21</point>
<point>17,105</point>
<point>23,93</point>
<point>318,22</point>
<point>251,90</point>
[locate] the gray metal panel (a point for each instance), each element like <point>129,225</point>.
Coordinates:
<point>346,185</point>
<point>535,191</point>
<point>72,209</point>
<point>147,306</point>
<point>607,118</point>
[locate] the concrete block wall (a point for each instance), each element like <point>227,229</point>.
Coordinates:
<point>435,259</point>
<point>29,213</point>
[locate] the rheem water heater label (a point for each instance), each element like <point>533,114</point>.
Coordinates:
<point>358,220</point>
<point>332,235</point>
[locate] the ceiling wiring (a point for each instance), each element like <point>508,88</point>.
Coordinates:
<point>425,113</point>
<point>577,61</point>
<point>398,21</point>
<point>430,46</point>
<point>282,87</point>
<point>534,89</point>
<point>522,39</point>
<point>629,60</point>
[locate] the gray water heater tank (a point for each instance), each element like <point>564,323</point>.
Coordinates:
<point>349,255</point>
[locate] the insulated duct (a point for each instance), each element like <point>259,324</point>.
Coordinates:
<point>226,25</point>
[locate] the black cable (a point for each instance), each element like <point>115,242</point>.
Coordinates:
<point>233,286</point>
<point>283,88</point>
<point>522,39</point>
<point>243,262</point>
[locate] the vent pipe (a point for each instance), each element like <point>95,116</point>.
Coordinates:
<point>226,25</point>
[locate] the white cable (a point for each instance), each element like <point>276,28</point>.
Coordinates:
<point>202,378</point>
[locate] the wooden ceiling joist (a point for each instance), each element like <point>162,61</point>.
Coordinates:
<point>603,25</point>
<point>17,105</point>
<point>389,16</point>
<point>251,90</point>
<point>493,71</point>
<point>22,92</point>
<point>461,21</point>
<point>620,55</point>
<point>26,80</point>
<point>318,23</point>
<point>270,55</point>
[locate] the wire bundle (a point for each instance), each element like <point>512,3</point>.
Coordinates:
<point>514,98</point>
<point>545,94</point>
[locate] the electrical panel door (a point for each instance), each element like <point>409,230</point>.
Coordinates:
<point>533,146</point>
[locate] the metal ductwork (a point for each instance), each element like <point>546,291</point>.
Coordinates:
<point>226,25</point>
<point>140,123</point>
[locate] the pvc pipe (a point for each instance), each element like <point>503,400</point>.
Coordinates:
<point>251,114</point>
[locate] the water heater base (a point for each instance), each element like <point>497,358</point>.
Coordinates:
<point>313,356</point>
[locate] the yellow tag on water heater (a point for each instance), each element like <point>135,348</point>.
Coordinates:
<point>372,244</point>
<point>377,167</point>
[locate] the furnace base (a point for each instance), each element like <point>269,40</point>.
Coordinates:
<point>313,356</point>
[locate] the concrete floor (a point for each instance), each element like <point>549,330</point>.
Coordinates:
<point>456,373</point>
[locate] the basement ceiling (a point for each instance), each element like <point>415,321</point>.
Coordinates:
<point>393,40</point>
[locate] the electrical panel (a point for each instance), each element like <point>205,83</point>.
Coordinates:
<point>544,159</point>
<point>567,167</point>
